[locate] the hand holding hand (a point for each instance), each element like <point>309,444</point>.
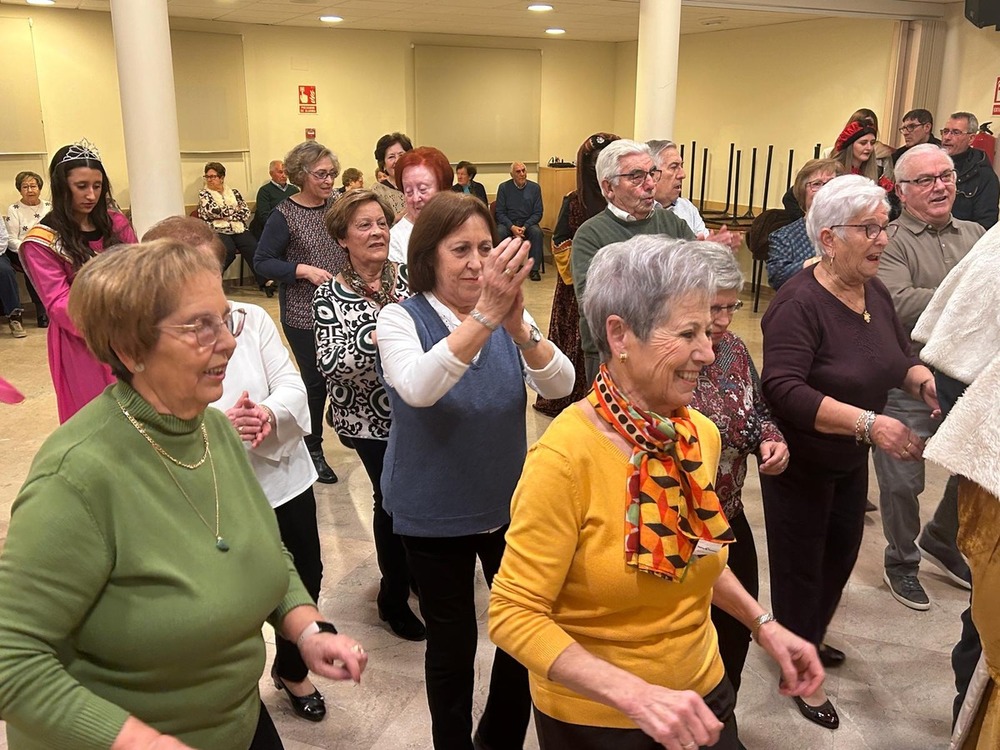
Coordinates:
<point>896,439</point>
<point>504,271</point>
<point>773,457</point>
<point>250,420</point>
<point>337,657</point>
<point>677,719</point>
<point>801,671</point>
<point>517,232</point>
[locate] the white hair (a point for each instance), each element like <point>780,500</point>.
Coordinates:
<point>906,168</point>
<point>611,156</point>
<point>841,201</point>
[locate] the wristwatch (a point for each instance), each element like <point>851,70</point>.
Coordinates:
<point>534,336</point>
<point>759,622</point>
<point>313,628</point>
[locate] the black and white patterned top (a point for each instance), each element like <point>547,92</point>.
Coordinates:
<point>346,354</point>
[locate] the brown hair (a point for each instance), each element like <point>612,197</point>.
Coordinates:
<point>350,175</point>
<point>443,214</point>
<point>431,158</point>
<point>22,176</point>
<point>217,166</point>
<point>303,157</point>
<point>809,169</point>
<point>342,212</point>
<point>190,231</point>
<point>119,297</point>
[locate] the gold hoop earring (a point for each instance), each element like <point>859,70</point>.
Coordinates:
<point>623,357</point>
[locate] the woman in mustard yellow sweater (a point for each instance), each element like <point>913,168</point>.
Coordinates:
<point>615,628</point>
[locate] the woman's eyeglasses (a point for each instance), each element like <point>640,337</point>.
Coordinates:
<point>208,327</point>
<point>323,175</point>
<point>872,231</point>
<point>716,310</point>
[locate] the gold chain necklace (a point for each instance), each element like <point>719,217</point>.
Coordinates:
<point>220,543</point>
<point>158,448</point>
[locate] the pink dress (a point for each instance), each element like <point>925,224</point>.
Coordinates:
<point>77,376</point>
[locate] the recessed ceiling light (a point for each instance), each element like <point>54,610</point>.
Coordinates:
<point>41,2</point>
<point>330,19</point>
<point>555,32</point>
<point>539,7</point>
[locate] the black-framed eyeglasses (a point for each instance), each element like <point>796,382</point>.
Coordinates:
<point>872,231</point>
<point>213,177</point>
<point>910,127</point>
<point>947,177</point>
<point>208,327</point>
<point>323,175</point>
<point>638,176</point>
<point>730,309</point>
<point>955,132</point>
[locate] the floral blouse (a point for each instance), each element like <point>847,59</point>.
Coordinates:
<point>729,394</point>
<point>346,354</point>
<point>227,212</point>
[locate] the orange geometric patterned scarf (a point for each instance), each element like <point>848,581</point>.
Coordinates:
<point>667,512</point>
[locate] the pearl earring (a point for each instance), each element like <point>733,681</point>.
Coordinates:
<point>140,367</point>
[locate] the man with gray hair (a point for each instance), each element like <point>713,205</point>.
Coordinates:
<point>270,195</point>
<point>978,189</point>
<point>928,243</point>
<point>519,209</point>
<point>627,174</point>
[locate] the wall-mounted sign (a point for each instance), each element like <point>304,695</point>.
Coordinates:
<point>307,100</point>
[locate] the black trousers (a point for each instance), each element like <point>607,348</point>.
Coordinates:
<point>734,637</point>
<point>244,244</point>
<point>815,518</point>
<point>266,737</point>
<point>445,570</point>
<point>303,345</point>
<point>297,524</point>
<point>394,590</point>
<point>559,735</point>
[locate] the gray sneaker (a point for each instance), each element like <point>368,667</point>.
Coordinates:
<point>907,590</point>
<point>949,561</point>
<point>16,329</point>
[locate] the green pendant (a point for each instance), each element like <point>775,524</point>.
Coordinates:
<point>220,544</point>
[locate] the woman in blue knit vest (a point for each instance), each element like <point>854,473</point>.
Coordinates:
<point>456,357</point>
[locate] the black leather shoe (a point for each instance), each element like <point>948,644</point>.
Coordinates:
<point>535,276</point>
<point>43,320</point>
<point>326,474</point>
<point>825,715</point>
<point>405,624</point>
<point>830,656</point>
<point>269,288</point>
<point>310,707</point>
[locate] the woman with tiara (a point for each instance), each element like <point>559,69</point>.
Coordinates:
<point>83,222</point>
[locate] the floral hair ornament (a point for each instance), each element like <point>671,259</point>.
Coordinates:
<point>853,132</point>
<point>82,149</point>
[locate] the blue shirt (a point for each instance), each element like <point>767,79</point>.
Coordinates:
<point>789,249</point>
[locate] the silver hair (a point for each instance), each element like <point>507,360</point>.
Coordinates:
<point>611,155</point>
<point>273,163</point>
<point>841,201</point>
<point>728,274</point>
<point>906,168</point>
<point>973,120</point>
<point>639,280</point>
<point>658,147</point>
<point>303,157</point>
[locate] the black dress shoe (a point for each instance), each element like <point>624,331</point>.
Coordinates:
<point>326,474</point>
<point>830,656</point>
<point>43,320</point>
<point>269,288</point>
<point>310,707</point>
<point>405,624</point>
<point>824,715</point>
<point>535,276</point>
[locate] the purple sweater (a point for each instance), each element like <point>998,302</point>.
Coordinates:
<point>815,346</point>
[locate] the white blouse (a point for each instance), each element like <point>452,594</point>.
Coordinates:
<point>399,240</point>
<point>20,218</point>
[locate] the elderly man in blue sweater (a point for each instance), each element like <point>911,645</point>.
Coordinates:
<point>519,209</point>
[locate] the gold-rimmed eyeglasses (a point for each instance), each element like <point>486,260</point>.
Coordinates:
<point>207,328</point>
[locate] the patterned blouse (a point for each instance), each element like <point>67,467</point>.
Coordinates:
<point>729,394</point>
<point>345,354</point>
<point>227,212</point>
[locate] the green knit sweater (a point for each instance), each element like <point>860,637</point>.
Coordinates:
<point>604,229</point>
<point>116,600</point>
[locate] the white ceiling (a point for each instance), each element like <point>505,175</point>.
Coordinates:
<point>587,20</point>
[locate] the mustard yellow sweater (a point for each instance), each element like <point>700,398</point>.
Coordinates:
<point>564,579</point>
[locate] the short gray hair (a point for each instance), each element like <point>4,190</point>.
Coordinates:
<point>611,156</point>
<point>973,120</point>
<point>639,280</point>
<point>728,274</point>
<point>840,201</point>
<point>906,168</point>
<point>301,159</point>
<point>658,147</point>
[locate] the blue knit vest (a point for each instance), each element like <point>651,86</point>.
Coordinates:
<point>451,468</point>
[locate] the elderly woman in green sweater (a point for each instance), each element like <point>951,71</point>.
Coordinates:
<point>142,556</point>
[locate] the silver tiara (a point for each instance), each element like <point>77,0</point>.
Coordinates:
<point>82,149</point>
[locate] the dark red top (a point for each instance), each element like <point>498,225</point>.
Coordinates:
<point>816,346</point>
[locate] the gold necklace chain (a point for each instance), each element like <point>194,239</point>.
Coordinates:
<point>158,448</point>
<point>220,543</point>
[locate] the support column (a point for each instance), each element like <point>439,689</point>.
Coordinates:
<point>656,68</point>
<point>149,110</point>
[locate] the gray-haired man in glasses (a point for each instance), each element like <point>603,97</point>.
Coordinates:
<point>928,243</point>
<point>978,189</point>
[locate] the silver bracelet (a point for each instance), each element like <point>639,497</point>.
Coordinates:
<point>482,319</point>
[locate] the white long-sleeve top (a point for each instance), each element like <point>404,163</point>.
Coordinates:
<point>421,378</point>
<point>399,240</point>
<point>20,218</point>
<point>261,366</point>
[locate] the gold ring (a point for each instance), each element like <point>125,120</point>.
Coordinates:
<point>508,273</point>
<point>907,447</point>
<point>356,648</point>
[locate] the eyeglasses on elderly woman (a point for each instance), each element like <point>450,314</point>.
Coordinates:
<point>207,328</point>
<point>872,231</point>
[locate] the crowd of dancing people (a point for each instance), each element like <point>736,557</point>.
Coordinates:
<point>172,513</point>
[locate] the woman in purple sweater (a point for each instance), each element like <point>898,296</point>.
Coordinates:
<point>833,347</point>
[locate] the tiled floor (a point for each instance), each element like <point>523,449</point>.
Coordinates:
<point>893,693</point>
